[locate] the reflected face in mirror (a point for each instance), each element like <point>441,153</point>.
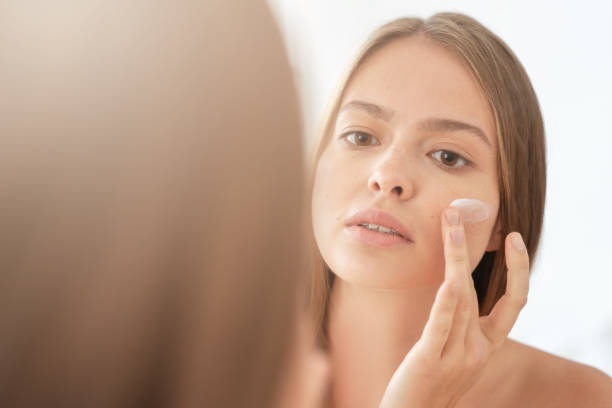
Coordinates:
<point>413,133</point>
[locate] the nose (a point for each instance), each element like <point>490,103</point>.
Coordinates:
<point>391,179</point>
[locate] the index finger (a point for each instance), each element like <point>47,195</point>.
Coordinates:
<point>455,250</point>
<point>457,268</point>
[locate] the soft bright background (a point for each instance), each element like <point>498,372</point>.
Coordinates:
<point>566,48</point>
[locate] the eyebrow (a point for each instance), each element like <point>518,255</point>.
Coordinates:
<point>448,125</point>
<point>377,111</point>
<point>432,124</point>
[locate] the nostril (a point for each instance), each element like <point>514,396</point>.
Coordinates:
<point>398,190</point>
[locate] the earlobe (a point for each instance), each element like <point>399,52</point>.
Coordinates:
<point>496,239</point>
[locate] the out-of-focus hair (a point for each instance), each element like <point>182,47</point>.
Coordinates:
<point>150,204</point>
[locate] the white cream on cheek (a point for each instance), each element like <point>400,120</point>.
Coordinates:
<point>472,210</point>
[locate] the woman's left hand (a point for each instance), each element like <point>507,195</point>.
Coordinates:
<point>456,342</point>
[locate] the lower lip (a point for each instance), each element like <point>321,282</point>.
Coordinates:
<point>375,238</point>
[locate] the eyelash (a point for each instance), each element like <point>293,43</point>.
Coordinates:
<point>466,162</point>
<point>355,132</point>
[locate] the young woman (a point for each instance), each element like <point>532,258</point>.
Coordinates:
<point>430,112</point>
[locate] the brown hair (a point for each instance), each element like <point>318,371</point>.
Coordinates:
<point>520,135</point>
<point>150,207</point>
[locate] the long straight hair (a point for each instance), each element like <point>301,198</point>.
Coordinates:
<point>519,131</point>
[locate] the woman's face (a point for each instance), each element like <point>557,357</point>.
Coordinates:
<point>413,133</point>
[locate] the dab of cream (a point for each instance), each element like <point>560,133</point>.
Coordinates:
<point>472,210</point>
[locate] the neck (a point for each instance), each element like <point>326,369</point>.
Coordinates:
<point>370,332</point>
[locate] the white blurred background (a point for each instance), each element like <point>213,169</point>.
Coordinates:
<point>566,48</point>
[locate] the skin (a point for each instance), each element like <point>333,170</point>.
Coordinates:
<point>397,334</point>
<point>409,96</point>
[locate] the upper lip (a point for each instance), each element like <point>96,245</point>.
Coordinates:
<point>381,218</point>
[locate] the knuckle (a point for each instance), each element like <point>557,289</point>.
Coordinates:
<point>464,309</point>
<point>456,258</point>
<point>421,353</point>
<point>444,332</point>
<point>522,260</point>
<point>519,301</point>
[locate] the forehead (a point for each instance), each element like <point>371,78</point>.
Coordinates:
<point>416,79</point>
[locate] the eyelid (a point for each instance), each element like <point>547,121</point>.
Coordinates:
<point>453,147</point>
<point>468,163</point>
<point>345,133</point>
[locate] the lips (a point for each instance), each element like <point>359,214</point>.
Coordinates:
<point>380,218</point>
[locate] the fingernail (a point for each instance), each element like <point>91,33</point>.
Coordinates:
<point>457,236</point>
<point>452,216</point>
<point>517,242</point>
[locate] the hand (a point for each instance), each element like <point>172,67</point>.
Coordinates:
<point>456,342</point>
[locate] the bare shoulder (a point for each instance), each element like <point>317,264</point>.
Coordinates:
<point>548,380</point>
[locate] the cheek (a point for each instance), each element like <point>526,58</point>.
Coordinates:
<point>432,242</point>
<point>326,199</point>
<point>477,234</point>
<point>336,185</point>
<point>477,237</point>
<point>322,191</point>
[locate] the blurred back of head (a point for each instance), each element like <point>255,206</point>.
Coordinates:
<point>149,213</point>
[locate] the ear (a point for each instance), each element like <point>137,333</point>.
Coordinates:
<point>496,240</point>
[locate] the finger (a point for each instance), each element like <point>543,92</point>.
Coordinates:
<point>438,326</point>
<point>455,345</point>
<point>466,325</point>
<point>474,340</point>
<point>457,257</point>
<point>455,249</point>
<point>499,322</point>
<point>457,263</point>
<point>458,267</point>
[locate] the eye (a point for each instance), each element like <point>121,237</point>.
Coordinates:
<point>361,139</point>
<point>450,159</point>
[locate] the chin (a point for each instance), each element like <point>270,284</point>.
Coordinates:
<point>374,271</point>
